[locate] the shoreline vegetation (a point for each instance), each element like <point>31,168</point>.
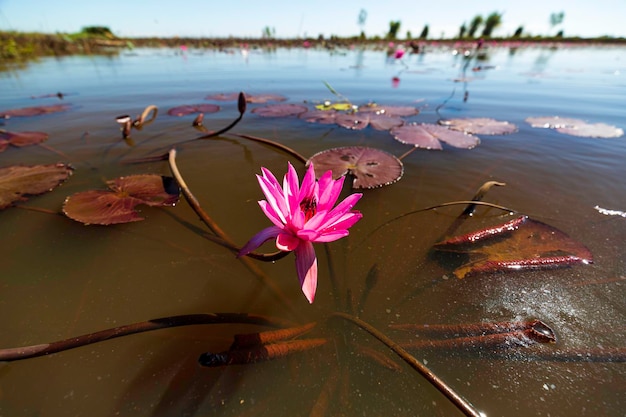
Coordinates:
<point>20,47</point>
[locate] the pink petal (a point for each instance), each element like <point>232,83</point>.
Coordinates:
<point>306,265</point>
<point>345,222</point>
<point>271,214</point>
<point>274,198</point>
<point>287,242</point>
<point>342,208</point>
<point>291,189</point>
<point>308,183</point>
<point>329,191</point>
<point>315,236</point>
<point>258,239</point>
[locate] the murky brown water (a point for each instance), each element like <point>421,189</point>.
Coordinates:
<point>61,279</point>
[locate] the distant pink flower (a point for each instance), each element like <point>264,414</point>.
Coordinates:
<point>399,53</point>
<point>303,215</point>
<point>183,48</point>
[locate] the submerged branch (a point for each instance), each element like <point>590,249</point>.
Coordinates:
<point>26,352</point>
<point>275,145</point>
<point>464,406</point>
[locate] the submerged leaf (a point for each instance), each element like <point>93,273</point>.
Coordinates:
<point>21,139</point>
<point>250,98</point>
<point>193,108</point>
<point>480,126</point>
<point>519,244</point>
<point>370,168</point>
<point>118,205</point>
<point>430,136</point>
<point>280,110</point>
<point>34,111</point>
<point>16,182</point>
<point>360,120</point>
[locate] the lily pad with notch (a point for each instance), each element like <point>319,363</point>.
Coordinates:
<point>517,245</point>
<point>370,167</point>
<point>19,181</point>
<point>576,127</point>
<point>117,205</point>
<point>480,126</point>
<point>280,110</point>
<point>430,136</point>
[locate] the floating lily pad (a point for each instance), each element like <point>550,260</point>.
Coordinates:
<point>34,111</point>
<point>360,120</point>
<point>576,127</point>
<point>324,117</point>
<point>17,182</point>
<point>480,126</point>
<point>520,244</point>
<point>280,110</point>
<point>370,167</point>
<point>117,205</point>
<point>430,136</point>
<point>250,98</point>
<point>21,139</point>
<point>391,111</point>
<point>192,109</point>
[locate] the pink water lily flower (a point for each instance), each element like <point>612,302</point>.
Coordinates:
<point>303,215</point>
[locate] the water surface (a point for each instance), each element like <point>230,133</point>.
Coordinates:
<point>61,278</point>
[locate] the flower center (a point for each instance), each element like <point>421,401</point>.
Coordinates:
<point>309,206</point>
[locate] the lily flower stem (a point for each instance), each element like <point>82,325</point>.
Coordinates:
<point>275,145</point>
<point>225,240</point>
<point>223,130</point>
<point>26,352</point>
<point>465,407</point>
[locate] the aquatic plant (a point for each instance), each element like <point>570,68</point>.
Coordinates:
<point>303,215</point>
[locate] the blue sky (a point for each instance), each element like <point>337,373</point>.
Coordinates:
<point>292,18</point>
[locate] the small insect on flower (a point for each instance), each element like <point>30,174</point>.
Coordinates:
<point>303,215</point>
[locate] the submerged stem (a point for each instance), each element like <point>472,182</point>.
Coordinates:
<point>464,406</point>
<point>226,241</point>
<point>26,352</point>
<point>275,145</point>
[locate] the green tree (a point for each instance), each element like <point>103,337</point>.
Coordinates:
<point>518,32</point>
<point>462,31</point>
<point>493,21</point>
<point>98,31</point>
<point>394,27</point>
<point>361,21</point>
<point>424,33</point>
<point>474,25</point>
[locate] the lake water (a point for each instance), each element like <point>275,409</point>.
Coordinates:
<point>61,279</point>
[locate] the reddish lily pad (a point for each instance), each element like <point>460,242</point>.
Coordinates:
<point>193,108</point>
<point>576,127</point>
<point>324,117</point>
<point>280,110</point>
<point>17,182</point>
<point>370,167</point>
<point>360,120</point>
<point>118,205</point>
<point>430,136</point>
<point>520,244</point>
<point>480,126</point>
<point>391,111</point>
<point>34,111</point>
<point>21,139</point>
